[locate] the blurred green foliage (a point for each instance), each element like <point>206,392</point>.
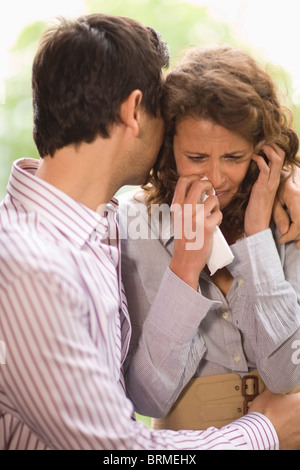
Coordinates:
<point>16,112</point>
<point>181,24</point>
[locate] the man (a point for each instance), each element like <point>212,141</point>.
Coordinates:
<point>64,323</point>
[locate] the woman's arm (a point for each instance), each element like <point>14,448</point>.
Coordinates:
<point>165,312</point>
<point>170,347</point>
<point>268,312</point>
<point>270,318</point>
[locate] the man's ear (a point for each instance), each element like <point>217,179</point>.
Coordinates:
<point>130,110</point>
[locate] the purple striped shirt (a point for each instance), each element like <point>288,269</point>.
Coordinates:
<point>65,331</point>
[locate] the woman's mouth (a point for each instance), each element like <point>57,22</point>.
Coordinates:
<point>220,193</point>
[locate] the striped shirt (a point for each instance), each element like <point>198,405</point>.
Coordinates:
<point>65,331</point>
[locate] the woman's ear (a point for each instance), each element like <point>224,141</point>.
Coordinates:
<point>130,111</point>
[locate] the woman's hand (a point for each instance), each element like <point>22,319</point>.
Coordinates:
<point>194,225</point>
<point>288,195</point>
<point>259,210</point>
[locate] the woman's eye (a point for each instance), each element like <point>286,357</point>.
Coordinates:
<point>233,157</point>
<point>203,158</point>
<point>196,159</point>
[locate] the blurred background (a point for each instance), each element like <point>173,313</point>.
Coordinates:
<point>265,28</point>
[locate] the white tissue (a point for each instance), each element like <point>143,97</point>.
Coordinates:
<point>221,255</point>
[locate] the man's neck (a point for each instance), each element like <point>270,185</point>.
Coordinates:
<point>80,172</point>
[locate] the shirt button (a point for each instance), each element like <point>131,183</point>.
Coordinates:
<point>225,315</point>
<point>241,282</point>
<point>236,358</point>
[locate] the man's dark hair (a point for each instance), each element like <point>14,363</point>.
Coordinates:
<point>82,72</point>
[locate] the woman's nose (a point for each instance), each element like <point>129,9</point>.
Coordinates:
<point>215,175</point>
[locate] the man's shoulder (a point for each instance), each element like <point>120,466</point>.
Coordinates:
<point>25,247</point>
<point>131,197</point>
<point>132,203</point>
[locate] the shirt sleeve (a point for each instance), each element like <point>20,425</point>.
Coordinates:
<point>268,310</point>
<point>159,369</point>
<point>252,432</point>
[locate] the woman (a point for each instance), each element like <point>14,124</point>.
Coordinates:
<point>224,122</point>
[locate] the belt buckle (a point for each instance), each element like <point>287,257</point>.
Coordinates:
<point>248,398</point>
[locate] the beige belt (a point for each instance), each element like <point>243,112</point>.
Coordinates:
<point>214,400</point>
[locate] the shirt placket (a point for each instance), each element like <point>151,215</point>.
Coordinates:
<point>123,319</point>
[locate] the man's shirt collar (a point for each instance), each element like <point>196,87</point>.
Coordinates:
<point>72,218</point>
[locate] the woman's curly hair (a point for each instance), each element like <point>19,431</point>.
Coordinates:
<point>229,88</point>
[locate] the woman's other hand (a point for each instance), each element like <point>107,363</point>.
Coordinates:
<point>260,206</point>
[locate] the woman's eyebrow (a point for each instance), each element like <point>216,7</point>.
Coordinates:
<point>239,153</point>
